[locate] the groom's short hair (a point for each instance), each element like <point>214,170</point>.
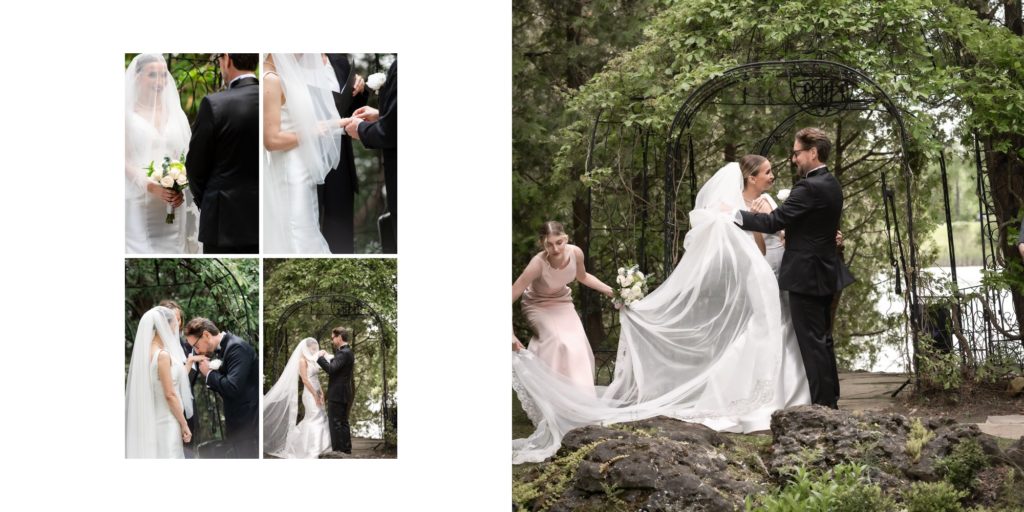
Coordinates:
<point>816,138</point>
<point>198,325</point>
<point>343,332</point>
<point>244,61</point>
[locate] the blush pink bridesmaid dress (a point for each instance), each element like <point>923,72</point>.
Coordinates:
<point>560,340</point>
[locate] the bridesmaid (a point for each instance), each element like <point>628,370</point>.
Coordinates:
<point>547,302</point>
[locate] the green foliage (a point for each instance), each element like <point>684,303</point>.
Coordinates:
<point>358,293</point>
<point>224,290</point>
<point>539,493</point>
<point>941,64</point>
<point>933,497</point>
<point>961,467</point>
<point>917,439</point>
<point>846,488</point>
<point>938,369</point>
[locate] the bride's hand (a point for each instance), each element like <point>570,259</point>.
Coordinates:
<point>343,122</point>
<point>186,434</point>
<point>178,199</point>
<point>760,205</point>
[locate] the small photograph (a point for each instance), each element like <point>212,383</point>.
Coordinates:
<point>191,358</point>
<point>330,386</point>
<point>330,123</point>
<point>191,157</point>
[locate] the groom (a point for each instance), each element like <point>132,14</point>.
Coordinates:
<point>223,163</point>
<point>810,266</point>
<point>339,389</point>
<point>235,381</point>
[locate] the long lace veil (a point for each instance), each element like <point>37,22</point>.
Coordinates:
<point>688,350</point>
<point>308,92</point>
<point>281,403</point>
<point>140,399</point>
<point>155,124</point>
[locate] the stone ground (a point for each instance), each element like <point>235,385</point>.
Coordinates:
<point>862,391</point>
<point>362,448</point>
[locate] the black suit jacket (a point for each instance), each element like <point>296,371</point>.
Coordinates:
<point>223,165</point>
<point>347,168</point>
<point>337,194</point>
<point>339,371</point>
<point>810,217</point>
<point>383,133</point>
<point>236,382</point>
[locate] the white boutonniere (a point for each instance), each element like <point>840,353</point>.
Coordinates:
<point>376,81</point>
<point>783,194</point>
<point>216,364</point>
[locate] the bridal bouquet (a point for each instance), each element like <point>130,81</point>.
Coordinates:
<point>632,286</point>
<point>376,81</point>
<point>170,175</point>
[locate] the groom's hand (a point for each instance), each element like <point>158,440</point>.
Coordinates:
<point>367,114</point>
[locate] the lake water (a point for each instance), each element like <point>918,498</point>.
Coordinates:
<point>893,359</point>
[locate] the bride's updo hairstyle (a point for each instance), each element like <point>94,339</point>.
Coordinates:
<point>145,60</point>
<point>749,165</point>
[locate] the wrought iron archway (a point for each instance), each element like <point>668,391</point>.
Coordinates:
<point>186,282</point>
<point>818,88</point>
<point>331,309</point>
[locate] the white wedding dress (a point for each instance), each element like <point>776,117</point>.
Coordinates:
<point>282,437</point>
<point>291,216</point>
<point>713,344</point>
<point>151,430</point>
<point>168,432</point>
<point>155,127</point>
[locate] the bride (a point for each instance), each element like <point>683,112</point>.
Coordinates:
<point>154,127</point>
<point>282,437</point>
<point>711,345</point>
<point>302,140</point>
<point>157,397</point>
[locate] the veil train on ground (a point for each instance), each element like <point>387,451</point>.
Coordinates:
<point>706,346</point>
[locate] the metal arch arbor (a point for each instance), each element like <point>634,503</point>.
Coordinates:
<point>184,281</point>
<point>340,306</point>
<point>818,88</point>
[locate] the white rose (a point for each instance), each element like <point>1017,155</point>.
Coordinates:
<point>182,180</point>
<point>216,364</point>
<point>622,271</point>
<point>624,293</point>
<point>173,172</point>
<point>638,288</point>
<point>154,178</point>
<point>639,275</point>
<point>375,81</point>
<point>622,280</point>
<point>167,182</point>
<point>783,194</point>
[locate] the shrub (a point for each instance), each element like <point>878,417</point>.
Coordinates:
<point>846,488</point>
<point>961,466</point>
<point>933,497</point>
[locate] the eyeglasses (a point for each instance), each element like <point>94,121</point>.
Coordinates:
<point>797,152</point>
